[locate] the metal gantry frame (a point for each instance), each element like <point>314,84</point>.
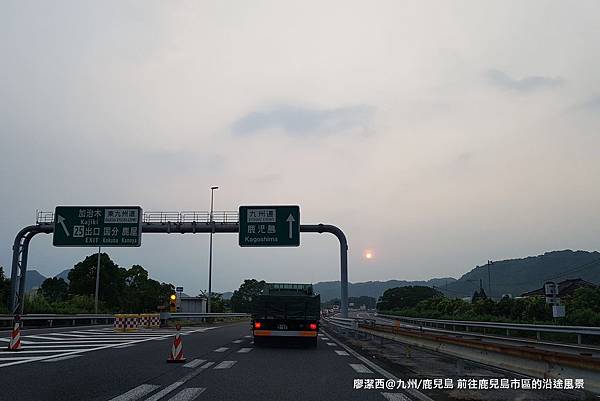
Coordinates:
<point>45,225</point>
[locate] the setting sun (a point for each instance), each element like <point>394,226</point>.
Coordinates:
<point>368,254</point>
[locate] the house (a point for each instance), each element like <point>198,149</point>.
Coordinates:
<point>565,288</point>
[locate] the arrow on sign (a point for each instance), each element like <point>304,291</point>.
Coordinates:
<point>290,220</point>
<point>61,221</point>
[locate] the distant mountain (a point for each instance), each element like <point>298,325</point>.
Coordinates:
<point>33,279</point>
<point>516,276</point>
<point>331,289</point>
<point>64,275</point>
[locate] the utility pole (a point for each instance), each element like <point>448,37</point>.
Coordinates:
<point>97,283</point>
<point>212,231</point>
<point>489,263</point>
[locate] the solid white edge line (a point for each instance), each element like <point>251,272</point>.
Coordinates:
<point>380,370</point>
<point>61,358</point>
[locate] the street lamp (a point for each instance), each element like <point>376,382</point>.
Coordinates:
<point>212,230</point>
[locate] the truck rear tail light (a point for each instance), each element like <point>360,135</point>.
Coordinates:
<point>257,325</point>
<point>312,326</point>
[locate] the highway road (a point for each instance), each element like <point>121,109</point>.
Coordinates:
<point>95,363</point>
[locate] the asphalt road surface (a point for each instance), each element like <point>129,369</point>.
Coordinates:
<point>95,363</point>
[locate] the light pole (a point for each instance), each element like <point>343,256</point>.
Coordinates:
<point>212,230</point>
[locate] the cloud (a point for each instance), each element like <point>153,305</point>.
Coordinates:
<point>592,104</point>
<point>526,84</point>
<point>304,121</point>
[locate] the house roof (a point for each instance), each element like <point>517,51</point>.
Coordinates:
<point>565,288</point>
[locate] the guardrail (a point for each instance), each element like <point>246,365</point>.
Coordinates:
<point>50,318</point>
<point>547,361</point>
<point>109,318</point>
<point>191,315</point>
<point>579,331</point>
<point>227,216</point>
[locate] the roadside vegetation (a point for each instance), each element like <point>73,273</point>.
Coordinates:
<point>582,308</point>
<point>121,290</point>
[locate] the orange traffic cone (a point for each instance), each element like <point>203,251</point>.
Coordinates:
<point>15,335</point>
<point>177,349</point>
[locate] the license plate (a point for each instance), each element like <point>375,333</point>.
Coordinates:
<point>282,327</point>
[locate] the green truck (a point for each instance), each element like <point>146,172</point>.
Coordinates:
<point>286,310</point>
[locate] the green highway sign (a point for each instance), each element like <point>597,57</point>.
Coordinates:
<point>269,226</point>
<point>97,226</point>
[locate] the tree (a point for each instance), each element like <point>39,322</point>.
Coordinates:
<point>54,289</point>
<point>406,297</point>
<point>82,279</point>
<point>241,300</point>
<point>217,305</point>
<point>477,295</point>
<point>4,289</point>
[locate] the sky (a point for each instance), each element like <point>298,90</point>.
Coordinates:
<point>437,135</point>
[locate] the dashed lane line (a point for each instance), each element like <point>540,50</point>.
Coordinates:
<point>136,393</point>
<point>414,393</point>
<point>395,397</point>
<point>188,394</point>
<point>237,341</point>
<point>332,344</point>
<point>165,391</point>
<point>342,353</point>
<point>222,349</point>
<point>244,350</point>
<point>194,363</point>
<point>225,365</point>
<point>360,368</point>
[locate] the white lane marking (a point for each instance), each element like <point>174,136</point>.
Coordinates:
<point>225,365</point>
<point>188,394</point>
<point>124,346</point>
<point>165,391</point>
<point>44,338</point>
<point>207,365</point>
<point>194,363</point>
<point>136,393</point>
<point>16,358</point>
<point>238,341</point>
<point>244,350</point>
<point>247,336</point>
<point>395,397</point>
<point>70,335</point>
<point>332,344</point>
<point>61,358</point>
<point>42,351</point>
<point>222,349</point>
<point>415,393</point>
<point>73,352</point>
<point>342,353</point>
<point>324,338</point>
<point>360,368</point>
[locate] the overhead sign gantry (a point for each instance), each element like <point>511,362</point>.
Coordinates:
<point>286,230</point>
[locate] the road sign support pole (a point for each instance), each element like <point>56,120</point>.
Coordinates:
<point>97,283</point>
<point>19,264</point>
